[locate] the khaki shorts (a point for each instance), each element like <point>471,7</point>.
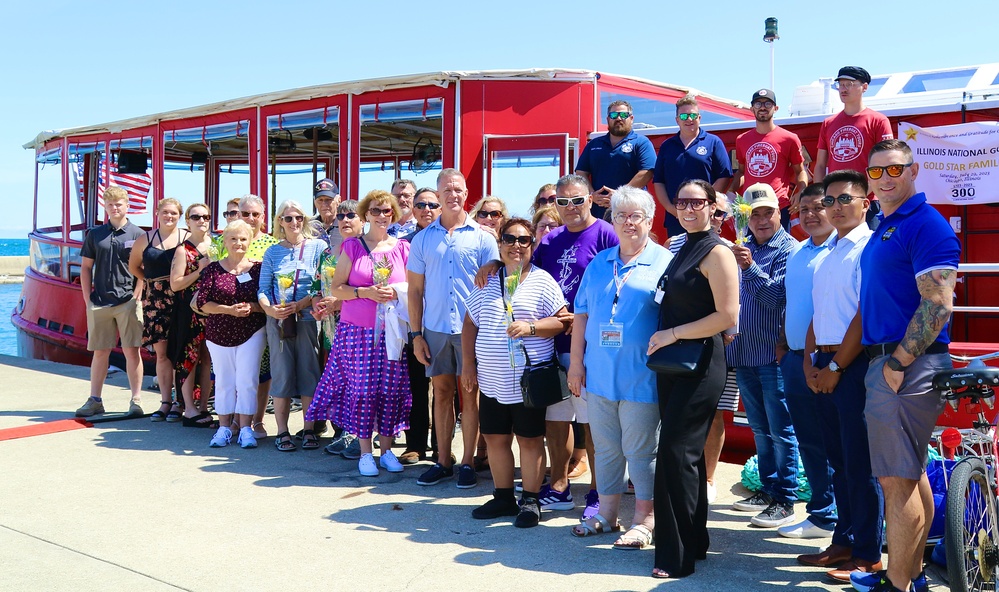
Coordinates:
<point>106,323</point>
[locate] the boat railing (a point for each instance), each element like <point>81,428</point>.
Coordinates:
<point>51,257</point>
<point>976,268</point>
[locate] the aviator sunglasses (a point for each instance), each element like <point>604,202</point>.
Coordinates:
<point>524,241</point>
<point>894,170</point>
<point>290,219</point>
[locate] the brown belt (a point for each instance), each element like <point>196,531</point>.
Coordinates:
<point>828,349</point>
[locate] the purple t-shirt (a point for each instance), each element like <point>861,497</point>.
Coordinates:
<point>361,311</point>
<point>565,255</point>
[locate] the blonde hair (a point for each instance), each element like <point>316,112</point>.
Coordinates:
<point>237,226</point>
<point>115,193</point>
<point>549,211</point>
<point>308,231</point>
<point>187,214</point>
<point>382,197</point>
<point>491,199</point>
<point>169,201</point>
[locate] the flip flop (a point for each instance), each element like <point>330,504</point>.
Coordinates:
<point>634,542</point>
<point>198,421</point>
<point>602,526</point>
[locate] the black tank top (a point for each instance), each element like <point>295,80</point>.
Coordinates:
<point>156,262</point>
<point>688,294</point>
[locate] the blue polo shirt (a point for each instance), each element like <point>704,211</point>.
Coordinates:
<point>614,166</point>
<point>798,284</point>
<point>911,241</point>
<point>705,158</point>
<point>620,373</point>
<point>448,263</point>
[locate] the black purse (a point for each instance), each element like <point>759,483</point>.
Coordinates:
<point>686,357</point>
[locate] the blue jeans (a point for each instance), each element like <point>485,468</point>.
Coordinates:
<point>762,391</point>
<point>807,421</point>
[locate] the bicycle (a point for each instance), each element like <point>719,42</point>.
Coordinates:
<point>972,521</point>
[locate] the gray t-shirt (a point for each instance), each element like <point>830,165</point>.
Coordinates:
<point>110,249</point>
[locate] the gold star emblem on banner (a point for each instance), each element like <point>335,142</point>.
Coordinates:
<point>910,135</point>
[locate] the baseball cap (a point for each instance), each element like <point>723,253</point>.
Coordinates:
<point>764,93</point>
<point>327,188</point>
<point>761,195</point>
<point>854,73</point>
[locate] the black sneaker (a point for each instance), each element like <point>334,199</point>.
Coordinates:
<point>776,514</point>
<point>757,503</point>
<point>529,516</point>
<point>435,475</point>
<point>496,508</point>
<point>466,477</point>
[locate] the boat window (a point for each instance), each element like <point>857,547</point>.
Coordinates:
<point>876,84</point>
<point>377,174</point>
<point>233,183</point>
<point>516,176</point>
<point>400,140</point>
<point>197,165</point>
<point>946,80</point>
<point>45,258</point>
<point>48,195</point>
<point>654,112</point>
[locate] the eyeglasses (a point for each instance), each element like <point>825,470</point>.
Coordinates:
<point>576,200</point>
<point>524,241</point>
<point>348,215</point>
<point>845,199</point>
<point>546,200</point>
<point>200,217</point>
<point>894,170</point>
<point>721,215</point>
<point>426,205</point>
<point>764,105</point>
<point>634,217</point>
<point>250,214</point>
<point>692,204</point>
<point>618,115</point>
<point>290,219</point>
<point>379,211</point>
<point>548,225</point>
<point>837,84</point>
<point>495,214</point>
<point>231,213</point>
<point>686,116</point>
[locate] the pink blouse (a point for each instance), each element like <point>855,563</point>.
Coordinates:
<point>361,311</point>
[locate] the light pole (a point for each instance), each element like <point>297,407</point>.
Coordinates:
<point>770,35</point>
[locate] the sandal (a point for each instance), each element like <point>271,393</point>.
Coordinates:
<point>660,574</point>
<point>284,443</point>
<point>159,414</point>
<point>309,440</point>
<point>201,420</point>
<point>630,541</point>
<point>175,413</point>
<point>600,526</point>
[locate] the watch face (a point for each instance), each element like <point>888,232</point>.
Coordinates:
<point>834,366</point>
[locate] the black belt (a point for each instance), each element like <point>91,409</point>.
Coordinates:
<point>798,352</point>
<point>887,349</point>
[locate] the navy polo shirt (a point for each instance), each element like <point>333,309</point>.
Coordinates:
<point>705,158</point>
<point>910,242</point>
<point>614,166</point>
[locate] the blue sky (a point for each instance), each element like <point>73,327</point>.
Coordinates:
<point>75,63</point>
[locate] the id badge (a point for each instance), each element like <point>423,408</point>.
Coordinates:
<point>302,265</point>
<point>659,295</point>
<point>611,334</point>
<point>243,277</point>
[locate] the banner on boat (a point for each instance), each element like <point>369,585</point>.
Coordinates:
<point>958,164</point>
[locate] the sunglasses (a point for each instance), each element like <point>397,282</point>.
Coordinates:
<point>845,199</point>
<point>379,211</point>
<point>634,218</point>
<point>290,219</point>
<point>577,200</point>
<point>524,241</point>
<point>618,115</point>
<point>495,214</point>
<point>686,116</point>
<point>894,170</point>
<point>250,214</point>
<point>721,215</point>
<point>348,215</point>
<point>200,217</point>
<point>231,213</point>
<point>426,205</point>
<point>691,204</point>
<point>546,200</point>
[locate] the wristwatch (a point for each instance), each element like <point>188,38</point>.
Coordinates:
<point>834,367</point>
<point>414,334</point>
<point>533,328</point>
<point>895,365</point>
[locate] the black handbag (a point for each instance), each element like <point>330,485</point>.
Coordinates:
<point>541,385</point>
<point>686,357</point>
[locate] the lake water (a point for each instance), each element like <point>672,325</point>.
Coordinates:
<point>10,247</point>
<point>9,295</point>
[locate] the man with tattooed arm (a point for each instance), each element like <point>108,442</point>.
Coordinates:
<point>908,271</point>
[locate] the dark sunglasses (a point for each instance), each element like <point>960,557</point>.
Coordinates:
<point>565,201</point>
<point>546,200</point>
<point>250,214</point>
<point>845,199</point>
<point>496,214</point>
<point>379,211</point>
<point>894,170</point>
<point>509,239</point>
<point>231,213</point>
<point>686,116</point>
<point>426,205</point>
<point>348,215</point>
<point>618,115</point>
<point>290,219</point>
<point>200,217</point>
<point>721,215</point>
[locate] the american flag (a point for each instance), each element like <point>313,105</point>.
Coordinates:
<point>137,186</point>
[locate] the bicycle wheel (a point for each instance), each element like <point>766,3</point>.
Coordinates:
<point>971,533</point>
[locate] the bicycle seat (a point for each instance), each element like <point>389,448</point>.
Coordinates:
<point>960,380</point>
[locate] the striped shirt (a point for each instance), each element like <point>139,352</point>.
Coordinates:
<point>538,297</point>
<point>761,302</point>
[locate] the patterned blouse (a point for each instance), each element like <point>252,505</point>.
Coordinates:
<point>221,287</point>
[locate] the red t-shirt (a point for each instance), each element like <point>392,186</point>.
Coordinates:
<point>848,138</point>
<point>768,158</point>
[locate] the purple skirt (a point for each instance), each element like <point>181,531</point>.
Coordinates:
<point>361,391</point>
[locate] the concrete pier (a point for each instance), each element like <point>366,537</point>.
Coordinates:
<point>12,269</point>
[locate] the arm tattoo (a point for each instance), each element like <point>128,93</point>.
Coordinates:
<point>936,289</point>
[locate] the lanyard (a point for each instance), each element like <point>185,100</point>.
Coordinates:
<point>619,283</point>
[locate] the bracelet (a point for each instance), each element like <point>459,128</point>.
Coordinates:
<point>356,295</point>
<point>533,332</point>
<point>673,331</point>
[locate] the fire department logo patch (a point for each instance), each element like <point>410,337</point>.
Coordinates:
<point>761,159</point>
<point>846,144</point>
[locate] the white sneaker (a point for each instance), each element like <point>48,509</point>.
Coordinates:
<point>366,466</point>
<point>221,438</point>
<point>712,493</point>
<point>804,530</point>
<point>246,438</point>
<point>389,462</point>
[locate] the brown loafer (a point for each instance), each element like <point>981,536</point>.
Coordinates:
<point>842,573</point>
<point>411,457</point>
<point>578,468</point>
<point>831,556</point>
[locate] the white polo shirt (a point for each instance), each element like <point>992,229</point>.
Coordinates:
<point>836,287</point>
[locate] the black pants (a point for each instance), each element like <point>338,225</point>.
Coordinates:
<point>686,408</point>
<point>419,414</point>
